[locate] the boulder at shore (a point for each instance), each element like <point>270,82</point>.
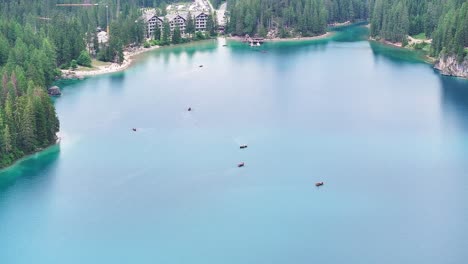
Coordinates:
<point>449,65</point>
<point>54,91</point>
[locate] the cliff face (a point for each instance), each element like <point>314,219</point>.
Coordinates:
<point>449,65</point>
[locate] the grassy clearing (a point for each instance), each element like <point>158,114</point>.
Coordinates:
<point>421,46</point>
<point>97,63</point>
<point>420,36</point>
<point>81,68</point>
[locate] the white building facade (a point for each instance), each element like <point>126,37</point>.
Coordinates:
<point>201,20</point>
<point>177,20</point>
<point>152,21</point>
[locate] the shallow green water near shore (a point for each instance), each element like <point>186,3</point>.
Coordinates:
<point>386,133</point>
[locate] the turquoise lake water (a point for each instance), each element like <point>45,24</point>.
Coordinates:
<point>386,133</point>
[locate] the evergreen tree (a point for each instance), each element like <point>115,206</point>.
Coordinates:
<point>84,59</point>
<point>27,133</point>
<point>215,24</point>
<point>190,28</point>
<point>166,32</point>
<point>120,54</point>
<point>157,34</point>
<point>73,64</point>
<point>95,44</point>
<point>4,50</point>
<point>7,143</point>
<point>176,37</point>
<point>40,118</point>
<point>210,26</point>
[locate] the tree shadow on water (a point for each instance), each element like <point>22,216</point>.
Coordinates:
<point>30,168</point>
<point>117,81</point>
<point>395,55</point>
<point>189,49</point>
<point>351,33</point>
<point>454,97</point>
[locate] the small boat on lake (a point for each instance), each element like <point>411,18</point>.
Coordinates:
<point>134,129</point>
<point>243,146</point>
<point>189,109</point>
<point>201,66</point>
<point>318,184</point>
<point>241,165</point>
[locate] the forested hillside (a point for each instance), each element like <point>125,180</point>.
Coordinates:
<point>27,117</point>
<point>451,34</point>
<point>446,22</point>
<point>303,17</point>
<point>37,37</point>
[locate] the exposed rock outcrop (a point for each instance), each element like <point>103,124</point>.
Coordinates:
<point>71,75</point>
<point>54,91</point>
<point>449,65</point>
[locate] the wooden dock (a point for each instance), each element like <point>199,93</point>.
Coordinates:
<point>253,41</point>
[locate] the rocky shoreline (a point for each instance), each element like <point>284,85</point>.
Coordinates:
<point>446,65</point>
<point>450,66</point>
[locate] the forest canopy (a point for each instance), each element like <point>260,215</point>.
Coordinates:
<point>302,17</point>
<point>446,22</point>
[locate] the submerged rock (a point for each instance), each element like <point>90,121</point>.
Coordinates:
<point>449,65</point>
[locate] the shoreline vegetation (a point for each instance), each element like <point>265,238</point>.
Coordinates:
<point>437,63</point>
<point>30,155</point>
<point>411,42</point>
<point>129,56</point>
<point>323,36</point>
<point>107,68</point>
<point>28,121</point>
<point>437,30</point>
<point>409,47</point>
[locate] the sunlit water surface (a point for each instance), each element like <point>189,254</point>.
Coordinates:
<point>386,133</point>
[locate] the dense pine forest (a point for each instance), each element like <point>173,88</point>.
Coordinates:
<point>446,22</point>
<point>27,117</point>
<point>298,17</point>
<point>69,29</point>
